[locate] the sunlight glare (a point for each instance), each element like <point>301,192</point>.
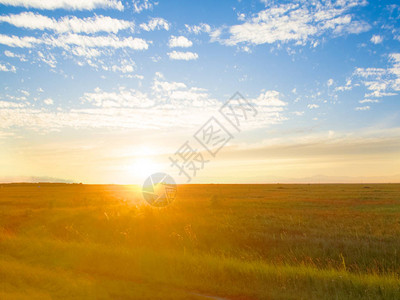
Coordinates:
<point>143,167</point>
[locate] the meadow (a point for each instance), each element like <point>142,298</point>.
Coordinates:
<point>73,241</point>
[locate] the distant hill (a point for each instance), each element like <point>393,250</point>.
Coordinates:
<point>34,179</point>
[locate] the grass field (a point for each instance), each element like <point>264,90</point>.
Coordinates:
<point>228,241</point>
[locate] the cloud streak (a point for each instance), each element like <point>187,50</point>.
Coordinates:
<point>66,24</point>
<point>155,24</point>
<point>178,55</point>
<point>7,68</point>
<point>381,82</point>
<point>296,22</point>
<point>65,4</point>
<point>73,39</point>
<point>169,105</point>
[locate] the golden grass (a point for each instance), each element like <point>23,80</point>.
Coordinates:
<point>232,241</point>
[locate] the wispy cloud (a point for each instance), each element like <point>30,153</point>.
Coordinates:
<point>125,67</point>
<point>381,82</point>
<point>65,4</point>
<point>368,101</point>
<point>312,106</point>
<point>19,42</point>
<point>197,29</point>
<point>155,23</point>
<point>269,98</point>
<point>140,5</point>
<point>94,24</point>
<point>48,59</point>
<point>363,108</point>
<point>21,57</point>
<point>348,86</point>
<point>98,41</point>
<point>9,104</point>
<point>376,39</point>
<point>7,68</point>
<point>63,41</point>
<point>178,55</point>
<point>170,104</point>
<point>123,98</point>
<point>48,101</point>
<point>297,22</point>
<point>85,52</point>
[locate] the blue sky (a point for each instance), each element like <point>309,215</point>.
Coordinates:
<point>103,91</point>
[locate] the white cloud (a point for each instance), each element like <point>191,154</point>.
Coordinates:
<point>330,82</point>
<point>370,72</point>
<point>312,106</point>
<point>73,39</point>
<point>246,49</point>
<point>269,98</point>
<point>179,41</point>
<point>155,58</point>
<point>140,5</point>
<point>215,35</point>
<point>368,101</point>
<point>123,98</point>
<point>21,42</point>
<point>177,55</point>
<point>269,107</point>
<point>159,75</point>
<point>179,95</point>
<point>347,87</point>
<point>9,54</point>
<point>9,68</point>
<point>85,52</point>
<point>8,104</point>
<point>165,86</point>
<point>355,27</point>
<point>298,22</point>
<point>136,76</point>
<point>65,4</point>
<point>197,29</point>
<point>376,39</point>
<point>125,67</point>
<point>169,105</point>
<point>379,94</point>
<point>298,113</point>
<point>48,101</point>
<point>241,16</point>
<point>381,82</point>
<point>21,57</point>
<point>363,108</point>
<point>48,59</point>
<point>155,23</point>
<point>65,24</point>
<point>98,41</point>
<point>16,98</point>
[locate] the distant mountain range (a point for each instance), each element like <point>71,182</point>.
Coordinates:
<point>33,179</point>
<point>340,179</point>
<point>311,179</point>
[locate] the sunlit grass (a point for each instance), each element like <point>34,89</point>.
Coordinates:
<point>257,242</point>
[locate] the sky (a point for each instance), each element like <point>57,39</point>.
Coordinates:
<point>109,91</point>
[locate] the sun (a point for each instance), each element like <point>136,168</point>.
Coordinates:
<point>143,167</point>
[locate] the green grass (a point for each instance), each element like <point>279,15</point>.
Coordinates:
<point>231,241</point>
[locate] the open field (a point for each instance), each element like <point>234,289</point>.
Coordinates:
<point>229,241</point>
